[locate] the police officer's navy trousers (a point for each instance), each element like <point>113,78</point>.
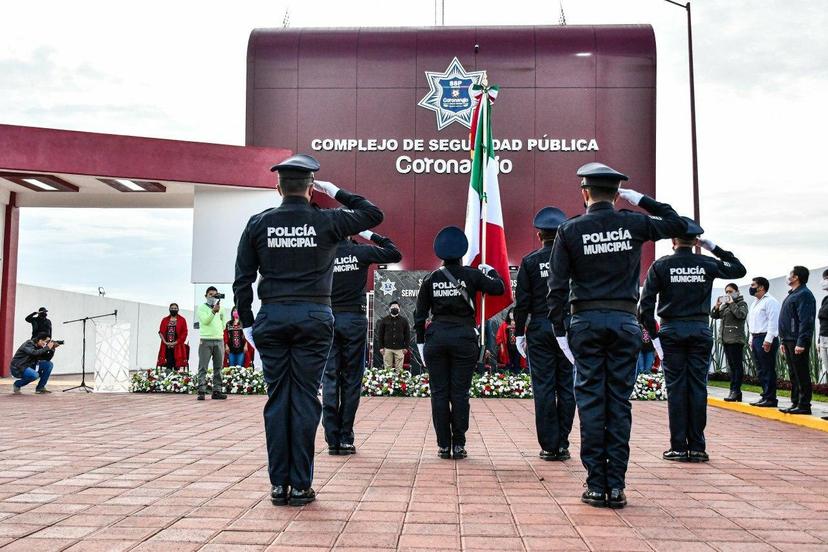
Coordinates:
<point>687,346</point>
<point>450,356</point>
<point>293,339</point>
<point>342,379</point>
<point>552,385</point>
<point>605,344</point>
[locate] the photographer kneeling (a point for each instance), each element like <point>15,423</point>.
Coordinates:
<point>32,361</point>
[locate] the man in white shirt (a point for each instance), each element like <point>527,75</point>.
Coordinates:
<point>763,322</point>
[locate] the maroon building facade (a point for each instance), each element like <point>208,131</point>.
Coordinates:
<point>370,104</point>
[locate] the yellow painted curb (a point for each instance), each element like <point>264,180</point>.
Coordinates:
<point>771,414</point>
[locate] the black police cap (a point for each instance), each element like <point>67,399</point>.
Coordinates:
<point>450,243</point>
<point>600,175</point>
<point>300,163</point>
<point>549,218</point>
<point>693,229</point>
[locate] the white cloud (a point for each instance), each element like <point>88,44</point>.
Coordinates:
<point>177,70</point>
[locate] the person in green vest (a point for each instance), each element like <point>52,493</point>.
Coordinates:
<point>211,322</point>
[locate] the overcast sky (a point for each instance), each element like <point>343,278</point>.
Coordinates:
<point>177,70</point>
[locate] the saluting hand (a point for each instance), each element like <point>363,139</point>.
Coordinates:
<point>707,244</point>
<point>630,196</point>
<point>326,188</point>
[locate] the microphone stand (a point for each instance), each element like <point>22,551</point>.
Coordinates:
<point>83,352</point>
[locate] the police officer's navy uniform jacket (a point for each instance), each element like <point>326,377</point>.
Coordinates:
<point>293,247</point>
<point>596,261</point>
<point>683,282</point>
<point>451,344</point>
<point>600,252</point>
<point>796,329</point>
<point>350,270</point>
<point>549,369</point>
<point>345,366</point>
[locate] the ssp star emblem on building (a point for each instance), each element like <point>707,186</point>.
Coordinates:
<point>388,287</point>
<point>449,95</point>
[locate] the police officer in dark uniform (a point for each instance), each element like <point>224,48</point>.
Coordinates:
<point>683,282</point>
<point>450,345</point>
<point>596,260</point>
<point>293,248</point>
<point>342,379</point>
<point>550,370</point>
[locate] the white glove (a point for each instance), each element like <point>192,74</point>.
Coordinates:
<point>657,346</point>
<point>366,235</point>
<point>564,345</point>
<point>325,187</point>
<point>520,343</point>
<point>248,335</point>
<point>707,244</point>
<point>420,347</point>
<point>630,196</point>
<point>484,268</point>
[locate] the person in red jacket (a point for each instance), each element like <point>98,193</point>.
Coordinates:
<point>172,352</point>
<point>507,348</point>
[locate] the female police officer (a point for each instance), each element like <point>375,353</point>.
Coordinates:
<point>449,347</point>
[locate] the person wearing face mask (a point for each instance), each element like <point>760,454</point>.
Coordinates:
<point>345,366</point>
<point>682,283</point>
<point>594,274</point>
<point>732,310</point>
<point>763,325</point>
<point>293,247</point>
<point>173,353</point>
<point>796,330</point>
<point>393,336</point>
<point>211,322</point>
<point>238,350</point>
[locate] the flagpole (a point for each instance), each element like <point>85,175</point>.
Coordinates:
<point>484,201</point>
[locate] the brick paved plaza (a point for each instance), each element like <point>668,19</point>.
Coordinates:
<point>166,473</point>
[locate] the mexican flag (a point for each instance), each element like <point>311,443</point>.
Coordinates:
<point>486,206</point>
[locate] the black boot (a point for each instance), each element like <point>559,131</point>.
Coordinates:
<point>675,455</point>
<point>219,395</point>
<point>347,449</point>
<point>279,495</point>
<point>548,455</point>
<point>459,452</point>
<point>563,454</point>
<point>733,397</point>
<point>302,497</point>
<point>617,498</point>
<point>594,498</point>
<point>444,453</point>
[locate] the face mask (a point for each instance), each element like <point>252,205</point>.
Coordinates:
<point>395,311</point>
<point>789,281</point>
<point>212,301</point>
<point>825,284</point>
<point>752,292</point>
<point>173,312</point>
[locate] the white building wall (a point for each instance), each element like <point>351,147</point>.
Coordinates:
<point>144,320</point>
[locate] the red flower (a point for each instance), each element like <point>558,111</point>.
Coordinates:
<point>403,386</point>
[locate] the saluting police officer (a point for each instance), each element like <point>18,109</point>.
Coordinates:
<point>683,282</point>
<point>342,379</point>
<point>550,370</point>
<point>596,260</point>
<point>449,347</point>
<point>293,248</point>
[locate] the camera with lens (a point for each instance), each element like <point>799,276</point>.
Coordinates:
<point>219,296</point>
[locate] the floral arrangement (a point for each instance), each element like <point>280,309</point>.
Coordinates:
<point>235,379</point>
<point>392,383</point>
<point>376,383</point>
<point>650,386</point>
